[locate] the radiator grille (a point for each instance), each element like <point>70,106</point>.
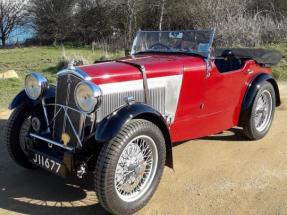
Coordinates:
<point>65,96</point>
<point>112,101</point>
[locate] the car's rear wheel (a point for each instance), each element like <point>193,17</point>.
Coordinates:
<point>129,167</point>
<point>261,113</point>
<point>17,128</point>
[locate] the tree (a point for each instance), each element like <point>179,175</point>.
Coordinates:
<point>92,21</point>
<point>126,17</point>
<point>53,19</point>
<point>12,15</point>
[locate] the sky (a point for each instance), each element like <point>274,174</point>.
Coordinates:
<point>20,34</point>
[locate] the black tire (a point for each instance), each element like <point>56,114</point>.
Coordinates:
<point>13,127</point>
<point>249,128</point>
<point>107,163</point>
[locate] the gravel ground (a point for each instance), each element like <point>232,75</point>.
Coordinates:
<point>221,174</point>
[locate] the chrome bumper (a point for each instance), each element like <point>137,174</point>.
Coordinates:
<point>51,142</point>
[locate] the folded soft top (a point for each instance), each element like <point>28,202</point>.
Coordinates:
<point>261,56</point>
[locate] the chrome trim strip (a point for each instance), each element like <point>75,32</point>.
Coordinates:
<point>52,120</point>
<point>45,114</point>
<point>75,71</point>
<point>74,130</point>
<point>69,81</point>
<point>93,119</point>
<point>67,107</point>
<point>51,142</point>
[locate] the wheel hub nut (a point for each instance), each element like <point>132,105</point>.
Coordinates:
<point>36,124</point>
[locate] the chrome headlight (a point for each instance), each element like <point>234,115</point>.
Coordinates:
<point>87,96</point>
<point>36,85</point>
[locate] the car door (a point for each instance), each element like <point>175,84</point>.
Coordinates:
<point>209,101</point>
<point>222,98</point>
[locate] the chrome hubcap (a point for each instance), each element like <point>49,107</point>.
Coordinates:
<point>136,168</point>
<point>263,111</point>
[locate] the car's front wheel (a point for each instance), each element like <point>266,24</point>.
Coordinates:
<point>17,129</point>
<point>261,113</point>
<point>130,167</point>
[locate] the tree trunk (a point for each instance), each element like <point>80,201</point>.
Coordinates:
<point>130,21</point>
<point>3,40</point>
<point>55,42</point>
<point>130,27</point>
<point>162,8</point>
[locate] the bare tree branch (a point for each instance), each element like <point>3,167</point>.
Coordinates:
<point>53,19</point>
<point>12,15</point>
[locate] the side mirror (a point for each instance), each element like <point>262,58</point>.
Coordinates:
<point>127,52</point>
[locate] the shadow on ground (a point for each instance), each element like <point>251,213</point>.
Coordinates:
<point>233,134</point>
<point>38,192</point>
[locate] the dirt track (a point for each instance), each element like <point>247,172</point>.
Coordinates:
<point>222,174</point>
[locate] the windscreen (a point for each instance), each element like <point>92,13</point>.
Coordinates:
<point>191,41</point>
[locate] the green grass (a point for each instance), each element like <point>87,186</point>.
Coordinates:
<point>41,59</point>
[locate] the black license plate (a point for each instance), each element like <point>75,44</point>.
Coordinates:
<point>48,163</point>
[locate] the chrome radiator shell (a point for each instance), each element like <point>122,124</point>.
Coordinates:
<point>66,85</point>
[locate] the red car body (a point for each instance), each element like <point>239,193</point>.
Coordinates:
<point>206,105</point>
<point>119,118</point>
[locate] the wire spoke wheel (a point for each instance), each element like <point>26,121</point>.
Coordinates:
<point>263,111</point>
<point>136,168</point>
<point>130,166</point>
<point>17,129</point>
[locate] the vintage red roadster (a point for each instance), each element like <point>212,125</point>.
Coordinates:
<point>120,118</point>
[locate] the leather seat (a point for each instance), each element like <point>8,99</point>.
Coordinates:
<point>228,62</point>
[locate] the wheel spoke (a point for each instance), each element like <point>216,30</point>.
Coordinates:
<point>263,111</point>
<point>135,167</point>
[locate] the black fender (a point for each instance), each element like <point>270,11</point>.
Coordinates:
<point>109,127</point>
<point>251,92</point>
<point>22,97</point>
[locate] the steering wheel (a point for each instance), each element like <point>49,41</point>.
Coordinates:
<point>159,45</point>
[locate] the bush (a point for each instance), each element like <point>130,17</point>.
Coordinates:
<point>236,25</point>
<point>65,61</point>
<point>272,30</point>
